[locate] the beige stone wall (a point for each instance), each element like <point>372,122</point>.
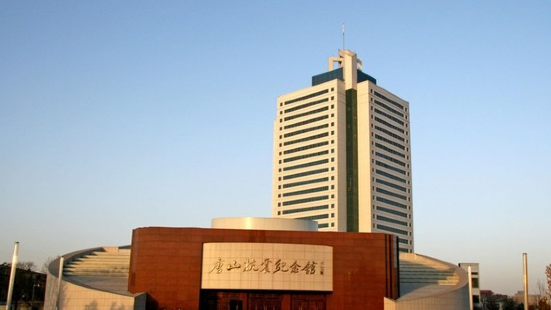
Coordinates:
<point>73,296</point>
<point>453,300</point>
<point>287,139</point>
<point>78,297</point>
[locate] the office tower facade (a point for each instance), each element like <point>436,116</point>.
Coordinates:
<point>342,154</point>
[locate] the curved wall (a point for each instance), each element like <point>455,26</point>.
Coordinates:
<point>70,294</point>
<point>457,299</point>
<point>433,291</point>
<point>264,223</point>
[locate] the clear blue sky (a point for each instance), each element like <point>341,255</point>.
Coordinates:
<point>121,114</point>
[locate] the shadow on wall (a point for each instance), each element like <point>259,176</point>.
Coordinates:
<point>151,303</point>
<point>94,306</point>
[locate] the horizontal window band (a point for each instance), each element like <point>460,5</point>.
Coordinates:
<point>298,132</point>
<point>312,95</point>
<point>396,144</point>
<point>396,104</point>
<point>314,137</point>
<point>391,151</point>
<point>306,147</point>
<point>389,109</point>
<point>394,119</point>
<point>305,173</point>
<point>305,182</point>
<point>313,163</point>
<point>389,184</point>
<point>389,125</point>
<point>389,193</point>
<point>291,117</point>
<point>391,202</point>
<point>378,163</point>
<point>392,229</point>
<point>306,105</point>
<point>390,211</point>
<point>390,220</point>
<point>390,176</point>
<point>390,159</point>
<point>312,120</point>
<point>290,159</point>
<point>305,200</point>
<point>314,217</point>
<point>308,209</point>
<point>390,133</point>
<point>307,191</point>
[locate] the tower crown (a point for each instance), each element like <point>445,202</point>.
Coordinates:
<point>350,64</point>
<point>346,67</point>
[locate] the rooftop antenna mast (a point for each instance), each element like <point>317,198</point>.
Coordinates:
<point>343,36</point>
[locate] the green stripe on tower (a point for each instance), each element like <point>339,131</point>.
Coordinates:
<point>352,219</point>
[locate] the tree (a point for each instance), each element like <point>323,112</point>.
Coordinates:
<point>47,263</point>
<point>548,274</point>
<point>26,266</point>
<point>27,284</point>
<point>491,303</point>
<point>543,304</point>
<point>541,295</point>
<point>511,304</point>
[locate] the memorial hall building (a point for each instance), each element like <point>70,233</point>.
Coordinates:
<point>256,264</point>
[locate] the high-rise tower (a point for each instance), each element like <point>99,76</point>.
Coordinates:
<point>342,154</point>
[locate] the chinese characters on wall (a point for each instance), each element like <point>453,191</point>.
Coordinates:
<point>267,265</point>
